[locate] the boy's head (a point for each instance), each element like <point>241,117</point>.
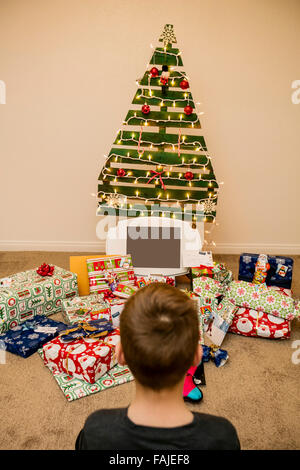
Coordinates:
<point>159,335</point>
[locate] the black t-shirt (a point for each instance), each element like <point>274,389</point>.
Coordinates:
<point>111,429</point>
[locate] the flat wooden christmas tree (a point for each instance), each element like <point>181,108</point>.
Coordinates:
<point>159,164</point>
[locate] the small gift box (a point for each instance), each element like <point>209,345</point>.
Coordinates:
<point>24,340</point>
<point>218,272</point>
<point>124,290</point>
<point>279,273</point>
<point>89,307</point>
<point>217,325</point>
<point>204,308</point>
<point>116,306</point>
<point>249,322</point>
<point>105,273</point>
<point>87,358</point>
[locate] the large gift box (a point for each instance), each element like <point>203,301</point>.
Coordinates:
<point>28,294</point>
<point>262,298</point>
<point>25,339</point>
<point>218,272</point>
<point>279,274</point>
<point>248,322</point>
<point>86,358</point>
<point>105,273</point>
<point>89,307</point>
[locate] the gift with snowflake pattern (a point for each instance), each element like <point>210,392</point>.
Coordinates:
<point>25,339</point>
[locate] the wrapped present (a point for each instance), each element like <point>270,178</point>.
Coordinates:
<point>141,281</point>
<point>116,306</point>
<point>86,359</point>
<point>74,388</point>
<point>89,307</point>
<point>218,322</point>
<point>262,298</point>
<point>279,273</point>
<point>205,307</point>
<point>124,290</point>
<point>207,287</point>
<point>25,339</point>
<point>30,294</point>
<point>218,272</point>
<point>84,329</point>
<point>249,322</point>
<point>105,273</point>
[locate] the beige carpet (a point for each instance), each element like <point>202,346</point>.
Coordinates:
<point>258,388</point>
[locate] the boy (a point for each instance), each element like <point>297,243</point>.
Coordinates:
<point>159,342</point>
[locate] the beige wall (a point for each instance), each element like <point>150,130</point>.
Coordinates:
<point>70,67</point>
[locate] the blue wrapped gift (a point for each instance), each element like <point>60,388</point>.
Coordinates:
<point>279,274</point>
<point>87,329</point>
<point>27,338</point>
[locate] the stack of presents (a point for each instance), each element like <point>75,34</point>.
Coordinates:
<point>80,350</point>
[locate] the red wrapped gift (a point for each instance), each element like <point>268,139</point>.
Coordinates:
<point>248,322</point>
<point>86,359</point>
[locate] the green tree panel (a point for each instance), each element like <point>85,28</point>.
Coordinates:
<point>191,142</point>
<point>158,97</point>
<point>151,193</point>
<point>160,57</point>
<point>168,180</point>
<point>175,79</point>
<point>166,158</point>
<point>139,211</point>
<point>158,118</point>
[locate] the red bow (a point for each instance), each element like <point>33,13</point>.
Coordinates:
<point>155,174</point>
<point>45,270</point>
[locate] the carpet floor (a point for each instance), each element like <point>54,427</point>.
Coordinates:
<point>257,389</point>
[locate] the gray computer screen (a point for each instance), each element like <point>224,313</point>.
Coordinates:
<point>154,247</point>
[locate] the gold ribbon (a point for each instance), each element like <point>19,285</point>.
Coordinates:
<point>87,328</point>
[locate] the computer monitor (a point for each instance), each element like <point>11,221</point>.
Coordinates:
<point>157,245</point>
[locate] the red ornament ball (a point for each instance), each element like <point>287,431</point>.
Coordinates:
<point>189,175</point>
<point>184,84</point>
<point>188,110</point>
<point>154,72</point>
<point>121,172</point>
<point>146,109</point>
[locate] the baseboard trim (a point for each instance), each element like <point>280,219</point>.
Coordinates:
<point>267,248</point>
<point>99,247</point>
<point>68,246</point>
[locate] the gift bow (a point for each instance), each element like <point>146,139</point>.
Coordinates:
<point>90,331</point>
<point>217,355</point>
<point>155,174</point>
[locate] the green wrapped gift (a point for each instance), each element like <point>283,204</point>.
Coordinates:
<point>28,293</point>
<point>207,287</point>
<point>89,307</point>
<point>262,298</point>
<point>218,272</point>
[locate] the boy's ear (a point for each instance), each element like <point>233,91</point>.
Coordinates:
<point>198,355</point>
<point>120,354</point>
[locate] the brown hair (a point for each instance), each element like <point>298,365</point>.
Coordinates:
<point>159,334</point>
